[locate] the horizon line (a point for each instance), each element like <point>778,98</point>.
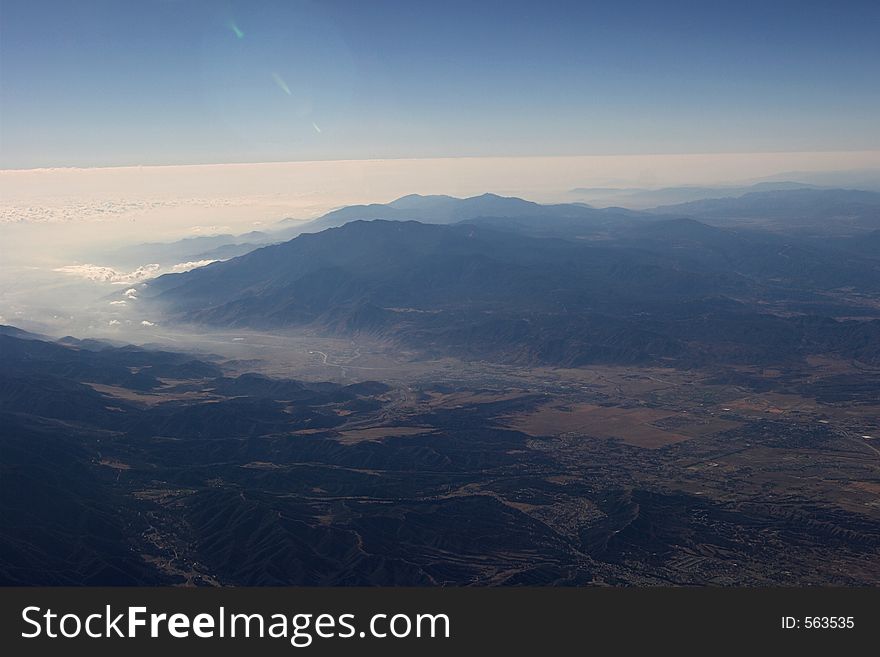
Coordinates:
<point>73,168</point>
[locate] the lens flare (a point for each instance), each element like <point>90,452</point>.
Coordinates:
<point>281,84</point>
<point>235,29</point>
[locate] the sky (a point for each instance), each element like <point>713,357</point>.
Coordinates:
<point>102,83</point>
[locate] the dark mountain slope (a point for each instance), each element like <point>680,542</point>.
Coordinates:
<point>421,267</point>
<point>483,292</point>
<point>817,211</point>
<point>129,366</point>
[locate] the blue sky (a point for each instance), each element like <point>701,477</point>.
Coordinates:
<point>104,83</point>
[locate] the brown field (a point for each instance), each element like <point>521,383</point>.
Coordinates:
<point>634,426</point>
<point>378,433</point>
<point>460,399</point>
<point>774,403</point>
<point>868,486</point>
<point>262,465</point>
<point>149,399</point>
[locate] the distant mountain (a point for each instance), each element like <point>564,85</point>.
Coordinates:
<point>477,291</point>
<point>437,209</point>
<point>868,179</point>
<point>21,334</point>
<point>641,199</point>
<point>190,249</point>
<point>449,210</point>
<point>817,211</point>
<point>776,205</point>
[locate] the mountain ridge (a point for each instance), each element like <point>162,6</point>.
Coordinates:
<point>467,289</point>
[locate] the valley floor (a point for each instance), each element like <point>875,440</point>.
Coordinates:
<point>448,473</point>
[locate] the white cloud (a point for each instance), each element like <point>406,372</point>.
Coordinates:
<point>186,266</point>
<point>118,303</point>
<point>102,274</point>
<point>147,323</point>
<point>108,274</point>
<point>78,209</point>
<point>114,322</point>
<point>131,293</point>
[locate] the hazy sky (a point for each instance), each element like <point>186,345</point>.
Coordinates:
<point>104,82</point>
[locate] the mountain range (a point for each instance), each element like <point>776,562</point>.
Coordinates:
<point>783,207</point>
<point>813,211</point>
<point>643,199</point>
<point>561,285</point>
<point>637,399</point>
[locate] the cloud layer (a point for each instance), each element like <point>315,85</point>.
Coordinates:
<point>102,274</point>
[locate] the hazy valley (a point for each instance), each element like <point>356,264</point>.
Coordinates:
<point>481,391</point>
